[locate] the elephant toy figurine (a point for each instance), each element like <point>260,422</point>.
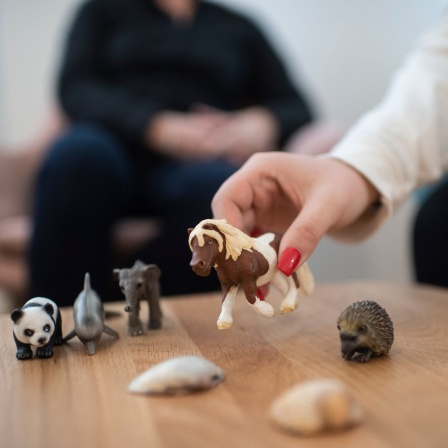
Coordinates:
<point>140,282</point>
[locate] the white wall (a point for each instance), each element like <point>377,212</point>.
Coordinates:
<point>343,51</point>
<point>30,37</point>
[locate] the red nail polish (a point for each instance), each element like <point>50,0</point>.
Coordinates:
<point>289,260</point>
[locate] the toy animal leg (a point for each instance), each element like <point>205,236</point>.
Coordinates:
<point>365,355</point>
<point>287,288</point>
<point>134,324</point>
<point>260,306</point>
<point>290,301</point>
<point>45,351</point>
<point>306,279</point>
<point>225,319</point>
<point>280,283</point>
<point>58,339</point>
<point>155,315</point>
<point>24,352</point>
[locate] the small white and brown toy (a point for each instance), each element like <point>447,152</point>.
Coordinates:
<point>241,260</point>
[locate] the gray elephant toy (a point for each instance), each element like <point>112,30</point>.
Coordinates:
<point>140,282</point>
<point>88,314</point>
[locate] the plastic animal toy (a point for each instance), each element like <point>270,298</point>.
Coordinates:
<point>38,323</point>
<point>365,328</point>
<point>249,262</point>
<point>140,282</point>
<point>88,314</point>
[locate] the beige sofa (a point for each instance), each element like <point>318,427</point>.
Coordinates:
<point>18,168</point>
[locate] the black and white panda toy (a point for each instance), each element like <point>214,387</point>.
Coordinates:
<point>38,323</point>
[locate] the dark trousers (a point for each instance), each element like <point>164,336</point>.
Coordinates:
<point>87,182</point>
<point>430,239</point>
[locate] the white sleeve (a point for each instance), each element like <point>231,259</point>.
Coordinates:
<point>403,142</point>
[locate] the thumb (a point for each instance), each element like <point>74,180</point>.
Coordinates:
<point>301,238</point>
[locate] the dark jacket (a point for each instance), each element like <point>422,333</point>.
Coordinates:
<point>125,60</point>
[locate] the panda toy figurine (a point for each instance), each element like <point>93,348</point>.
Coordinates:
<point>38,323</point>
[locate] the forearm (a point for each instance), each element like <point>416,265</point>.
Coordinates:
<point>401,144</point>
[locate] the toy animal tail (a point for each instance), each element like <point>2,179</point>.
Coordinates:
<point>87,286</point>
<point>306,279</point>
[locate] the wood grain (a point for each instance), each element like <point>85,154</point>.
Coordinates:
<point>76,400</point>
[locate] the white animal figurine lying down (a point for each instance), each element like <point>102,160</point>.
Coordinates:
<point>178,376</point>
<point>38,323</point>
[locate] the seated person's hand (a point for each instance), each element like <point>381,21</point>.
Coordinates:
<point>241,134</point>
<point>180,135</point>
<point>210,133</point>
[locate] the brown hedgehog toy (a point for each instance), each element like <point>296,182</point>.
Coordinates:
<point>365,328</point>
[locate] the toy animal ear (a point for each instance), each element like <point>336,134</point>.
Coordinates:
<point>152,272</point>
<point>16,314</point>
<point>48,307</point>
<point>190,229</point>
<point>138,264</point>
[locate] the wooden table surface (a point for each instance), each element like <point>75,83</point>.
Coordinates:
<point>76,400</point>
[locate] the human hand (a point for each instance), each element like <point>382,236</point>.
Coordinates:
<point>181,135</point>
<point>301,196</point>
<point>207,132</point>
<point>241,134</point>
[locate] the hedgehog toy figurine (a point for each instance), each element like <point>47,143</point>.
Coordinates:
<point>365,328</point>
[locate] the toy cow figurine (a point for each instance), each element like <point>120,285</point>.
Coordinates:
<point>140,282</point>
<point>38,323</point>
<point>249,262</point>
<point>88,315</point>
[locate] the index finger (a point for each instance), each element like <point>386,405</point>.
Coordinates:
<point>234,202</point>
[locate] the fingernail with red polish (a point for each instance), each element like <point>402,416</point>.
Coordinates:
<point>289,260</point>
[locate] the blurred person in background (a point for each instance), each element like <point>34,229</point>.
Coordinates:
<point>164,100</point>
